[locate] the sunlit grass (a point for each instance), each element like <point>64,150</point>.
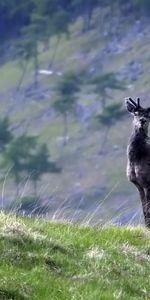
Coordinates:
<point>41,260</point>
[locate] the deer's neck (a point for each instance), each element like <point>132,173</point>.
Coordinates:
<point>138,146</point>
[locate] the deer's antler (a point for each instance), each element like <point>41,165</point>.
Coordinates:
<point>136,104</point>
<point>133,102</point>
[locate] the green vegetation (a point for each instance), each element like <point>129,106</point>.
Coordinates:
<point>104,84</point>
<point>66,90</point>
<point>51,16</point>
<point>110,115</point>
<point>23,156</point>
<point>5,133</point>
<point>42,261</point>
<point>28,205</point>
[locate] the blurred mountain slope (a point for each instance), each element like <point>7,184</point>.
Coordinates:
<point>91,182</point>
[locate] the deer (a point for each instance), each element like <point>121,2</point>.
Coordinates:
<point>138,154</point>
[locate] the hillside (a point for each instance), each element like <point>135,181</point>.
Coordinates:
<point>42,260</point>
<point>92,187</point>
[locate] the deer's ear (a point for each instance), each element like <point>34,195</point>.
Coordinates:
<point>148,111</point>
<point>130,107</point>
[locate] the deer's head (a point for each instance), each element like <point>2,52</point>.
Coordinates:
<point>141,115</point>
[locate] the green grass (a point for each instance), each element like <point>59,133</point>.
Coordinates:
<point>42,260</point>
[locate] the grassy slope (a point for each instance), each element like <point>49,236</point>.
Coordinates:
<point>82,166</point>
<point>42,261</point>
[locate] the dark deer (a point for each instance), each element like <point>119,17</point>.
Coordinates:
<point>138,154</point>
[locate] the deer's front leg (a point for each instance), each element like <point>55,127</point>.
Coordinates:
<point>141,191</point>
<point>147,207</point>
<point>143,201</point>
<point>132,178</point>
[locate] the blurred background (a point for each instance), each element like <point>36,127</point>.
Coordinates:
<point>66,67</point>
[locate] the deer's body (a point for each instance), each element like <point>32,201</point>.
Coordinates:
<point>138,155</point>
